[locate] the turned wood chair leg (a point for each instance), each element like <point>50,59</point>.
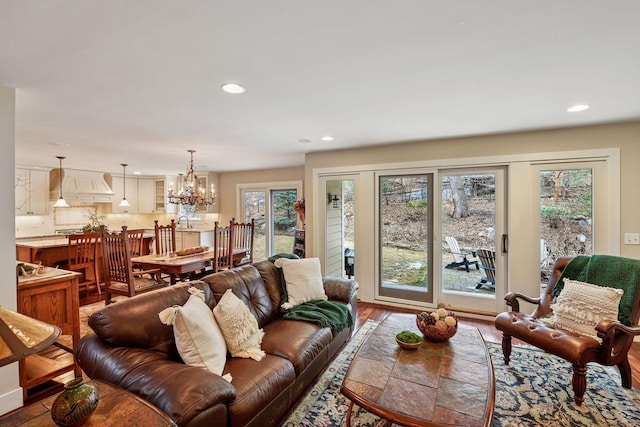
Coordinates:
<point>579,382</point>
<point>625,373</point>
<point>506,348</point>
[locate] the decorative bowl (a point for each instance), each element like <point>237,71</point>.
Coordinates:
<point>191,251</point>
<point>409,346</point>
<point>439,330</point>
<point>415,339</point>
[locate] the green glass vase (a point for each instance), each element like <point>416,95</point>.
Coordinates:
<point>75,404</point>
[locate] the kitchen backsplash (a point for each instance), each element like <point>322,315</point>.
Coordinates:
<point>45,225</point>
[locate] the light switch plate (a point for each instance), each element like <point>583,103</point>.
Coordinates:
<point>632,238</point>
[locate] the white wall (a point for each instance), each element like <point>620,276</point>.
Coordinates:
<point>10,391</point>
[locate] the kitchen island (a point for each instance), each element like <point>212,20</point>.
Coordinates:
<point>51,297</point>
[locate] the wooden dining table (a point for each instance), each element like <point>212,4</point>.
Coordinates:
<point>181,266</point>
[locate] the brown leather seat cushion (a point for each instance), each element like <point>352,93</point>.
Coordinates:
<point>296,341</point>
<point>565,344</point>
<point>257,384</point>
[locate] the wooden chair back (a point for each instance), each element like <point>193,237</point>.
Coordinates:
<point>136,238</point>
<point>165,237</point>
<point>243,239</point>
<point>120,278</point>
<point>222,248</point>
<point>83,257</point>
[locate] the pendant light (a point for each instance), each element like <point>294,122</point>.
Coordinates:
<point>60,203</point>
<point>124,202</point>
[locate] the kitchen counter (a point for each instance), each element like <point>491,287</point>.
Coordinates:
<point>51,297</point>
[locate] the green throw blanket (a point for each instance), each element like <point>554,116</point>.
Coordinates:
<point>606,270</point>
<point>326,314</point>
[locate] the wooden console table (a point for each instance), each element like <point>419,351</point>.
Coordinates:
<point>116,407</point>
<point>52,298</point>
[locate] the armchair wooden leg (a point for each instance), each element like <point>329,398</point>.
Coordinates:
<point>506,348</point>
<point>625,373</point>
<point>579,382</point>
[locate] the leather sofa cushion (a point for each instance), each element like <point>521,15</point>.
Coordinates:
<point>298,342</point>
<point>257,384</point>
<point>121,324</point>
<point>246,284</point>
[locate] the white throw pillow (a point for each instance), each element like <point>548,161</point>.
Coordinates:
<point>580,306</point>
<point>303,280</point>
<point>199,340</point>
<point>239,327</point>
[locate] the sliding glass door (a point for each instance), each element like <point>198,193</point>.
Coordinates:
<point>473,237</point>
<point>405,219</point>
<point>271,207</point>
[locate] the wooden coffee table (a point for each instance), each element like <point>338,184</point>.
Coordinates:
<point>116,407</point>
<point>439,384</point>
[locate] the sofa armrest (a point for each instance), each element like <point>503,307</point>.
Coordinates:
<point>339,289</point>
<point>181,391</point>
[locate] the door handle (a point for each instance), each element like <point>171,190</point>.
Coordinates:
<point>505,243</point>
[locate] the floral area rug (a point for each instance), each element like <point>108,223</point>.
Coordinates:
<point>534,390</point>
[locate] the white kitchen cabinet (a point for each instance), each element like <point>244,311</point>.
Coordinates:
<point>192,238</point>
<point>32,192</point>
<point>118,193</point>
<point>146,196</point>
<point>159,195</point>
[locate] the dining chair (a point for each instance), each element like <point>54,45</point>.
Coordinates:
<point>242,241</point>
<point>165,237</point>
<point>83,251</point>
<point>222,248</point>
<point>136,240</point>
<point>120,278</point>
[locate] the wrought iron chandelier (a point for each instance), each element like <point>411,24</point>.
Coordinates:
<point>188,191</point>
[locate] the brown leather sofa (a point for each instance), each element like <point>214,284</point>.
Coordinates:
<point>133,349</point>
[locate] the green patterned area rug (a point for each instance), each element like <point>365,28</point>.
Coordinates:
<point>535,390</point>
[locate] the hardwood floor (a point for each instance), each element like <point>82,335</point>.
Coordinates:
<point>486,328</point>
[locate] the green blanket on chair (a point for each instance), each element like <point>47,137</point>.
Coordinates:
<point>606,270</point>
<point>326,314</point>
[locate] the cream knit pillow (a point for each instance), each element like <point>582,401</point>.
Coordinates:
<point>239,327</point>
<point>303,280</point>
<point>580,306</point>
<point>198,337</point>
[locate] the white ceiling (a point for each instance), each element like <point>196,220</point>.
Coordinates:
<point>107,82</point>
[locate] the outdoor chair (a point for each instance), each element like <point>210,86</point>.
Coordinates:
<point>487,262</point>
<point>461,258</point>
<point>607,342</point>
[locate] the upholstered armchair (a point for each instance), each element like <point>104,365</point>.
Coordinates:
<point>606,342</point>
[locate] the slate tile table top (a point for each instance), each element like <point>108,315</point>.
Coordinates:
<point>439,384</point>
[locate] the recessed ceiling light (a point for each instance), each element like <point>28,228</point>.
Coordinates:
<point>137,173</point>
<point>578,107</point>
<point>327,138</point>
<point>234,88</point>
<point>304,141</point>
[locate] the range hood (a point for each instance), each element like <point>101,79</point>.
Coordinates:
<point>80,186</point>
